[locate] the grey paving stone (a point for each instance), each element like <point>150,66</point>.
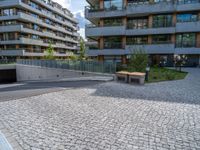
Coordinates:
<point>109,116</point>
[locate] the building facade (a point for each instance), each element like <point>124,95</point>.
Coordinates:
<point>28,27</point>
<point>162,28</point>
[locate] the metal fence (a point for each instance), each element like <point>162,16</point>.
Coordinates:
<point>85,66</point>
<point>7,61</point>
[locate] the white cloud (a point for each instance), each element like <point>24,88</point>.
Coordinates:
<point>82,32</point>
<point>65,3</point>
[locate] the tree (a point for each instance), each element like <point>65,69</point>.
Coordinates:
<point>49,52</point>
<point>82,50</point>
<point>138,61</point>
<point>73,57</point>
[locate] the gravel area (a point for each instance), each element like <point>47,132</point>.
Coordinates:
<point>109,116</point>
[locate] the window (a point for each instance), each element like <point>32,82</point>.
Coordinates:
<point>8,12</point>
<point>34,5</point>
<point>10,22</point>
<point>112,42</point>
<point>36,27</point>
<point>113,4</point>
<point>161,39</point>
<point>1,37</point>
<point>187,17</point>
<point>137,40</point>
<point>9,36</point>
<point>113,22</point>
<point>34,15</point>
<point>35,37</point>
<point>137,23</point>
<point>162,21</point>
<point>186,40</point>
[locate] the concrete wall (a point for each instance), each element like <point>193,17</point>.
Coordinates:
<point>31,73</point>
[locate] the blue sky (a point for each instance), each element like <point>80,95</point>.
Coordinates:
<point>77,8</point>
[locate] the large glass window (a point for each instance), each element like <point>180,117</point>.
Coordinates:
<point>112,42</point>
<point>186,40</point>
<point>8,12</point>
<point>10,22</point>
<point>113,4</point>
<point>113,22</point>
<point>137,23</point>
<point>137,40</point>
<point>187,17</point>
<point>162,21</point>
<point>9,36</point>
<point>161,39</point>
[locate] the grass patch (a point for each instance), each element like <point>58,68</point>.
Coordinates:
<point>164,74</point>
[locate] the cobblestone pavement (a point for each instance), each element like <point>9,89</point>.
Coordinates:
<point>109,116</point>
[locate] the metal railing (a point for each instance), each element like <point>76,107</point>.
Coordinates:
<point>7,61</point>
<point>84,66</point>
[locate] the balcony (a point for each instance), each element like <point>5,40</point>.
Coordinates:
<point>151,31</point>
<point>152,49</point>
<point>188,5</point>
<point>57,10</point>
<point>106,52</point>
<point>10,28</point>
<point>11,52</point>
<point>105,31</point>
<point>188,26</point>
<point>9,3</point>
<point>102,13</point>
<point>189,50</point>
<point>149,49</point>
<point>150,8</point>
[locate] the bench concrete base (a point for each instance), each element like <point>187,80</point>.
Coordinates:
<point>136,80</point>
<point>122,78</point>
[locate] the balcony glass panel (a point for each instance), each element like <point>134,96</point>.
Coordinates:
<point>187,17</point>
<point>161,39</point>
<point>113,4</point>
<point>137,40</point>
<point>186,40</point>
<point>113,22</point>
<point>112,43</point>
<point>8,12</point>
<point>139,23</point>
<point>162,21</point>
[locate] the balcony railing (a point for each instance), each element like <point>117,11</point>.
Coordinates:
<point>97,9</point>
<point>150,3</point>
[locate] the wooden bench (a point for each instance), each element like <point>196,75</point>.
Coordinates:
<point>131,77</point>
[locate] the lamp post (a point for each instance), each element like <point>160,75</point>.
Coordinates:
<point>147,73</point>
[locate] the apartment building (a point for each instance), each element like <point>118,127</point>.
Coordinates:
<point>27,27</point>
<point>162,28</point>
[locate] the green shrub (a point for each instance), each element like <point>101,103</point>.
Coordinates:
<point>138,61</point>
<point>49,53</point>
<point>170,76</point>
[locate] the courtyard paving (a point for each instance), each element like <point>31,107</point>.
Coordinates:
<point>108,116</point>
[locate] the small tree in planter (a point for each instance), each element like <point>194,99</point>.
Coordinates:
<point>49,52</point>
<point>179,61</point>
<point>82,50</point>
<point>138,61</point>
